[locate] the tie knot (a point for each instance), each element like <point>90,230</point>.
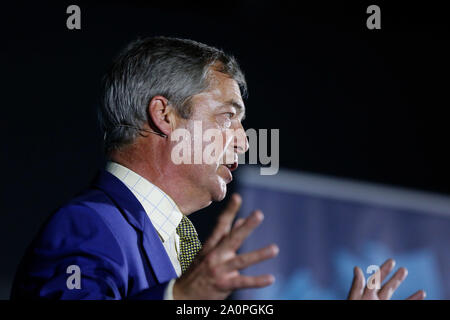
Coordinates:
<point>186,229</point>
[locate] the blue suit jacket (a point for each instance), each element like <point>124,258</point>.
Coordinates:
<point>106,232</point>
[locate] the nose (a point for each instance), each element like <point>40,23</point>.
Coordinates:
<point>240,140</point>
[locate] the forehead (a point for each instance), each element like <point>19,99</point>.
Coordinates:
<point>222,84</point>
<point>222,90</point>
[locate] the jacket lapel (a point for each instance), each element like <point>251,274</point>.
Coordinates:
<point>137,217</point>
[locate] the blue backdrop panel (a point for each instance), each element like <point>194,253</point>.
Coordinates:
<point>325,227</point>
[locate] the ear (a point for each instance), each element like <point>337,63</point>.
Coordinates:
<point>162,115</point>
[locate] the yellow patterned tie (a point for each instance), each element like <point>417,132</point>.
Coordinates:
<point>189,242</point>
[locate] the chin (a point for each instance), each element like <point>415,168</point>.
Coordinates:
<point>220,191</point>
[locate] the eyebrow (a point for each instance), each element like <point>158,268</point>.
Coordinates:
<point>237,105</point>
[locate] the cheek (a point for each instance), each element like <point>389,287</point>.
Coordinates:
<point>214,142</point>
<point>208,140</point>
<point>202,172</point>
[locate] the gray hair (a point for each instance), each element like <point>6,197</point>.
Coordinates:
<point>174,68</point>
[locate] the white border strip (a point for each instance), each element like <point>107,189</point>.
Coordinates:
<point>345,189</point>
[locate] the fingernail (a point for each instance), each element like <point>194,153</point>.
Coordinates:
<point>404,273</point>
<point>259,215</point>
<point>392,263</point>
<point>274,249</point>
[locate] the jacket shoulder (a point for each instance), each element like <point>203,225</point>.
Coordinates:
<point>81,217</point>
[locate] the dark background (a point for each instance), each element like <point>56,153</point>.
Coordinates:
<point>349,102</point>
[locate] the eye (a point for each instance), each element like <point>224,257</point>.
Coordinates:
<point>228,117</point>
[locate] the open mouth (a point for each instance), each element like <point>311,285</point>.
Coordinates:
<point>232,166</point>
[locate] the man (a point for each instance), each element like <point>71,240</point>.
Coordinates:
<point>128,235</point>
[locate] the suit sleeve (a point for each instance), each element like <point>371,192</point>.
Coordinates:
<point>76,257</point>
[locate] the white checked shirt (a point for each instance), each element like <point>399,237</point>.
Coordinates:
<point>160,208</point>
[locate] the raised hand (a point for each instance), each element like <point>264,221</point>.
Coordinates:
<point>359,290</point>
<point>214,273</point>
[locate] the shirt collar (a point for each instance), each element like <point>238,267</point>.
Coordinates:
<point>160,208</point>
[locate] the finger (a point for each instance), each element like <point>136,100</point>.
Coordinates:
<point>419,295</point>
<point>394,282</point>
<point>223,225</point>
<point>241,282</point>
<point>247,259</point>
<point>238,223</point>
<point>357,288</point>
<point>372,287</point>
<point>386,268</point>
<point>238,235</point>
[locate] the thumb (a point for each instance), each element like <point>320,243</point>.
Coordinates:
<point>357,288</point>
